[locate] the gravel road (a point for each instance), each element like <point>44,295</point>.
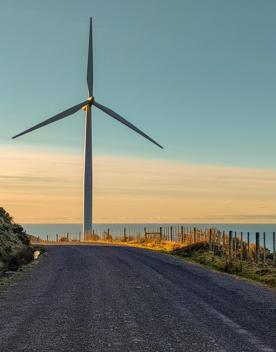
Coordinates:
<point>107,298</point>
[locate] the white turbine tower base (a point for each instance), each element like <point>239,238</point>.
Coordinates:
<point>88,181</point>
<point>87,107</point>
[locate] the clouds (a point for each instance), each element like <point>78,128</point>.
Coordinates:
<point>46,186</point>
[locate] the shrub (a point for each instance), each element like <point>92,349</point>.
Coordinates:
<point>14,243</point>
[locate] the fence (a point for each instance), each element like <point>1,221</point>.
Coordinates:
<point>231,244</point>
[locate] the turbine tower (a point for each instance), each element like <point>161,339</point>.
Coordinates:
<point>87,107</point>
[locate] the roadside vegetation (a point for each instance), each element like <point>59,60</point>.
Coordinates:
<point>15,248</point>
<point>200,253</point>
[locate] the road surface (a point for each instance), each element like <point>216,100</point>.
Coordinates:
<point>104,298</point>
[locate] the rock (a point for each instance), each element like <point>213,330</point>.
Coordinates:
<point>36,254</point>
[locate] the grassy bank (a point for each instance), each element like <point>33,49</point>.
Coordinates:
<point>264,273</point>
<point>15,249</point>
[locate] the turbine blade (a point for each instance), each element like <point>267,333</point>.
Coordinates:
<point>90,62</point>
<point>124,121</point>
<point>55,118</point>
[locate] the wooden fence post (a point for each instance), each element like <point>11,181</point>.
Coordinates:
<point>145,232</point>
<point>274,249</point>
<point>230,245</point>
<point>210,240</point>
<point>223,242</point>
<point>248,245</point>
<point>235,244</point>
<point>257,246</point>
<point>264,242</point>
<point>241,254</point>
<point>57,237</point>
<point>223,238</point>
<point>161,234</point>
<point>182,234</point>
<point>219,238</point>
<point>171,233</point>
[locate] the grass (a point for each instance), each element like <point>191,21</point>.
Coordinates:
<point>200,253</point>
<point>14,244</point>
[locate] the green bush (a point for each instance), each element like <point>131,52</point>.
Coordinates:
<point>15,247</point>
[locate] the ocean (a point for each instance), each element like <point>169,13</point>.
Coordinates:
<point>50,230</point>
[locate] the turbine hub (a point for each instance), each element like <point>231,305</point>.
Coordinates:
<point>89,103</point>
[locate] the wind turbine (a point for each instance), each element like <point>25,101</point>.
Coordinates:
<point>87,107</point>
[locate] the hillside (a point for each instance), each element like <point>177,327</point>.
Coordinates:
<point>14,244</point>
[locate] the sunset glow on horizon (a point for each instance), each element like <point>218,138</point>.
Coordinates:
<point>46,187</point>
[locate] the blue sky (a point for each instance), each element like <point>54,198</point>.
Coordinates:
<point>198,76</point>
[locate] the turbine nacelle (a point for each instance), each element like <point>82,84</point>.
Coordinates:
<point>89,103</point>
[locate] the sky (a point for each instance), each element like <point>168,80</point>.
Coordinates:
<point>198,76</point>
